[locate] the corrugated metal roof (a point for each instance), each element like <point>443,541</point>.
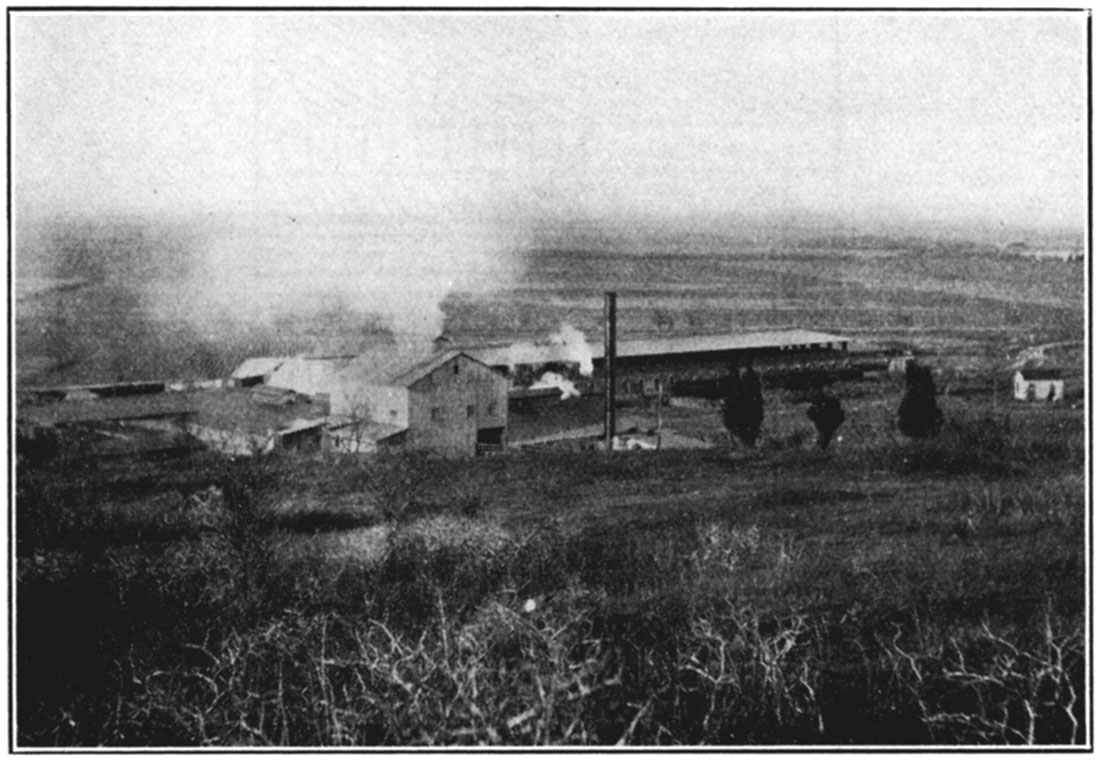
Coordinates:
<point>721,343</point>
<point>258,366</point>
<point>527,353</point>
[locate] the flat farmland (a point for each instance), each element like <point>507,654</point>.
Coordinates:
<point>899,294</point>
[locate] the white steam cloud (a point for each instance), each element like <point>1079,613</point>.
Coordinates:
<point>575,347</point>
<point>551,380</point>
<point>567,345</point>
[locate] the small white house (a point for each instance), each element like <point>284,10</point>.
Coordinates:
<point>1038,384</point>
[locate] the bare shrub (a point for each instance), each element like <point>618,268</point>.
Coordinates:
<point>980,688</point>
<point>450,561</point>
<point>753,681</point>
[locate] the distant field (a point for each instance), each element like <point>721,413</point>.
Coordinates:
<point>962,295</point>
<point>82,322</point>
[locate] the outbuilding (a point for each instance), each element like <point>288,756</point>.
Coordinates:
<point>255,371</point>
<point>1038,384</point>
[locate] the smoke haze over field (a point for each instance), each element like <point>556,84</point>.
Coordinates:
<point>264,270</point>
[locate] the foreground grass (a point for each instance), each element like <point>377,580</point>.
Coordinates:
<point>898,593</point>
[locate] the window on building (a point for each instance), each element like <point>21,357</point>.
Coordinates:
<point>492,408</point>
<point>471,411</point>
<point>456,369</point>
<point>393,414</point>
<point>437,414</point>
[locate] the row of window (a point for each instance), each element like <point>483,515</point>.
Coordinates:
<point>471,411</point>
<point>638,387</point>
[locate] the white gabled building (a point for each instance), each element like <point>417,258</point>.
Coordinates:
<point>1038,384</point>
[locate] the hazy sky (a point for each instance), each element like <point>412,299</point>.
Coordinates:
<point>933,115</point>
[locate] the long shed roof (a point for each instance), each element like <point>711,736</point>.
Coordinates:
<point>529,353</point>
<point>721,343</point>
<point>111,408</point>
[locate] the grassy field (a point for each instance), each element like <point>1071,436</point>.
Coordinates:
<point>886,591</point>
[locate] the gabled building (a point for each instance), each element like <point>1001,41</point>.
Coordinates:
<point>445,402</point>
<point>236,423</point>
<point>255,371</point>
<point>311,376</point>
<point>1038,384</point>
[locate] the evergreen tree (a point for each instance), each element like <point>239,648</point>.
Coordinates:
<point>827,414</point>
<point>919,416</point>
<point>743,408</point>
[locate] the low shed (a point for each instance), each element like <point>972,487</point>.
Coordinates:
<point>1038,384</point>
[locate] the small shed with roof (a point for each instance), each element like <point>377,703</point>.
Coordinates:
<point>1038,385</point>
<point>255,371</point>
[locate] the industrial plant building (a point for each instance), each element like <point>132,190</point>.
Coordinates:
<point>445,402</point>
<point>445,399</point>
<point>644,364</point>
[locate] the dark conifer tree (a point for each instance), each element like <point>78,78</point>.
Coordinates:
<point>743,405</point>
<point>919,416</point>
<point>827,414</point>
<point>731,397</point>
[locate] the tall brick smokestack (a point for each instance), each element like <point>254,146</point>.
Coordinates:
<point>609,369</point>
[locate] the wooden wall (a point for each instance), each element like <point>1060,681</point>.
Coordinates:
<point>449,406</point>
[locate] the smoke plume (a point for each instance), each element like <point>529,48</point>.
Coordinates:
<point>574,347</point>
<point>283,271</point>
<point>566,346</point>
<point>552,380</point>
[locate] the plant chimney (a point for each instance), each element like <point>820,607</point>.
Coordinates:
<point>609,369</point>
